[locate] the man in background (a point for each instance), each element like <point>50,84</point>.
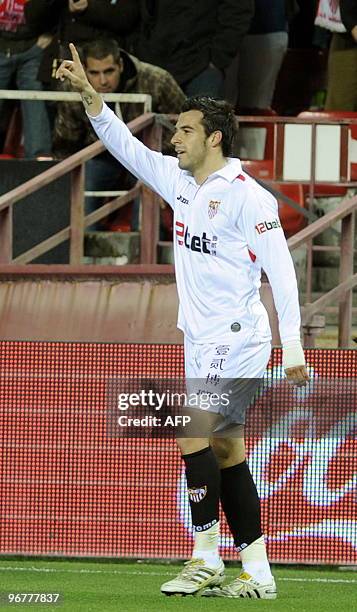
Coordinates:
<point>111,70</point>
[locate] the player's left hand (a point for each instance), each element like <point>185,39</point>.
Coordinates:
<point>297,376</point>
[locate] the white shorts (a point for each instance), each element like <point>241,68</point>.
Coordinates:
<point>234,366</point>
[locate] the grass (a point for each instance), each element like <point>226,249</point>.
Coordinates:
<point>123,587</point>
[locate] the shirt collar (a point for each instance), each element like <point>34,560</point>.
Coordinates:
<point>229,172</point>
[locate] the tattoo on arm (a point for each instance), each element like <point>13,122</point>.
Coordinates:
<point>87,99</point>
<point>92,101</point>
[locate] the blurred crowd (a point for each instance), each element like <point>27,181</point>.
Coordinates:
<point>243,50</point>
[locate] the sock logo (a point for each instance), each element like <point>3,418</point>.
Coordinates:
<point>197,495</point>
<point>200,528</point>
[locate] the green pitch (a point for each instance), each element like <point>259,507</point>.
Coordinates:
<point>124,587</point>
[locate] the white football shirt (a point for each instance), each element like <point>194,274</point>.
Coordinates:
<point>225,231</point>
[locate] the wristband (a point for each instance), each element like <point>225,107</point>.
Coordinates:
<point>293,354</point>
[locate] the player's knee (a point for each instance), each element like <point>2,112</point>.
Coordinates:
<point>221,448</point>
<point>191,445</point>
<point>228,451</point>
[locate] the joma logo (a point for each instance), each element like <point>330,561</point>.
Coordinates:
<point>180,198</point>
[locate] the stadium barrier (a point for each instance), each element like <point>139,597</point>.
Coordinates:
<point>67,488</point>
<point>132,303</point>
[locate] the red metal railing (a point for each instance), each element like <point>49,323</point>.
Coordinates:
<point>151,134</point>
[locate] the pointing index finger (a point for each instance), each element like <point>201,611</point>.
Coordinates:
<point>74,52</point>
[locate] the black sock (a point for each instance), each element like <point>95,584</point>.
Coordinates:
<point>241,504</point>
<point>203,483</point>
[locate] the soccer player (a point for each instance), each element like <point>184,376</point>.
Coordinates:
<point>227,230</point>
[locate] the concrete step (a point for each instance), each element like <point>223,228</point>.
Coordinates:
<point>329,338</point>
<point>106,261</point>
<point>118,248</point>
<point>166,254</point>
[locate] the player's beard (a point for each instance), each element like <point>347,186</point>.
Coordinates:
<point>186,163</point>
<point>191,164</point>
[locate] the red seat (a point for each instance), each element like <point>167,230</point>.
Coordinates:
<point>291,220</point>
<point>335,115</point>
<point>264,169</point>
<point>120,221</point>
<point>325,190</point>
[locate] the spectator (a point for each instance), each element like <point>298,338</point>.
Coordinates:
<point>262,53</point>
<point>342,62</point>
<point>21,49</point>
<point>194,40</point>
<point>111,70</point>
<point>80,21</point>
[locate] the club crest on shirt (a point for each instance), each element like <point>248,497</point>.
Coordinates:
<point>213,208</point>
<point>197,495</point>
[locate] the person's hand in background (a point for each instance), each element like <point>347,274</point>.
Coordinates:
<point>77,6</point>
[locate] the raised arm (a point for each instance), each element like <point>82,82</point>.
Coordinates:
<point>160,172</point>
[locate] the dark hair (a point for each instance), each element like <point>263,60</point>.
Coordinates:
<point>217,115</point>
<point>101,48</point>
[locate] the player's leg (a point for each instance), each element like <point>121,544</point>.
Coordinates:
<point>241,505</point>
<point>203,483</point>
<point>239,496</point>
<point>36,125</point>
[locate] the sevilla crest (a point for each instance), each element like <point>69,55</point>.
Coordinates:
<point>213,208</point>
<point>197,495</point>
